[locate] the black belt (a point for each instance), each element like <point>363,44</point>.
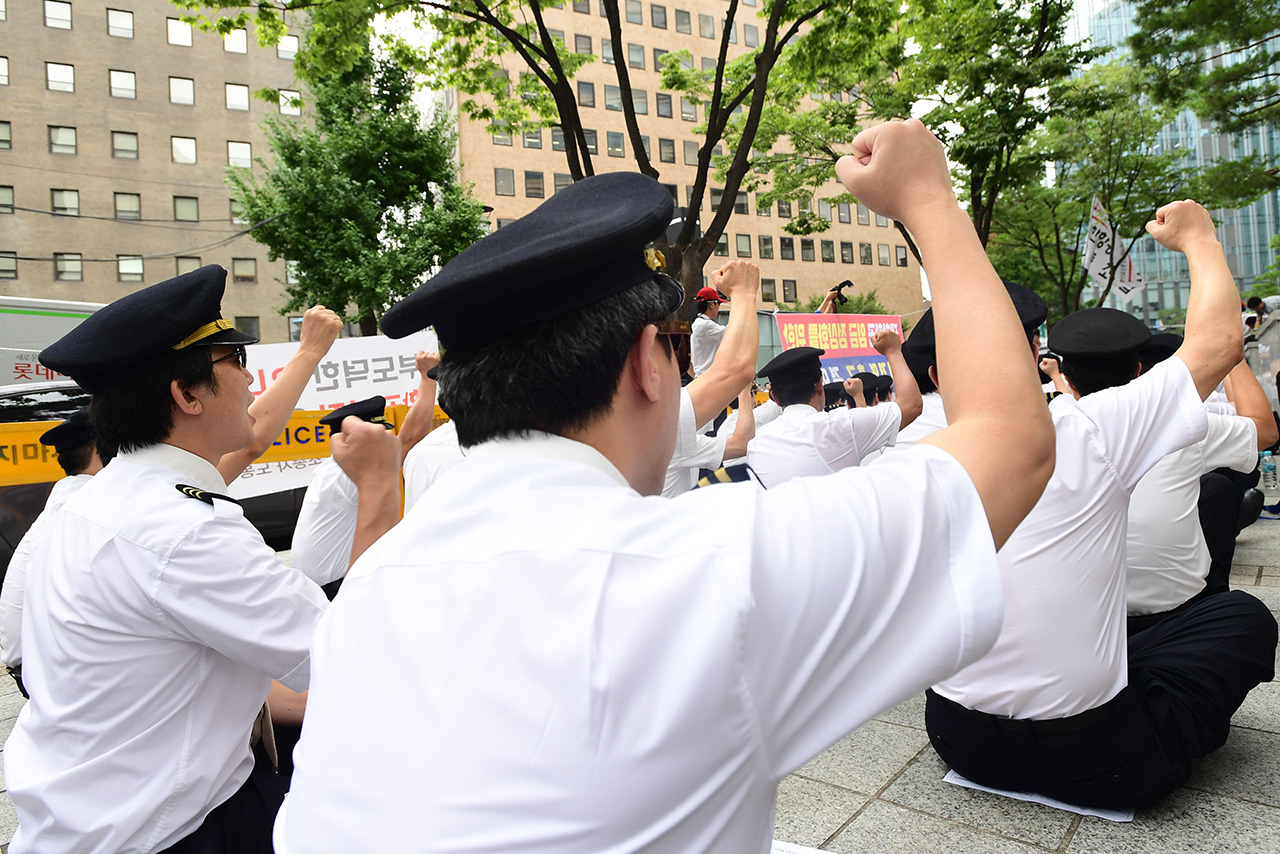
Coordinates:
<point>1049,726</point>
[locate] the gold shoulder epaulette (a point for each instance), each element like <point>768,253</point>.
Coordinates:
<point>200,494</point>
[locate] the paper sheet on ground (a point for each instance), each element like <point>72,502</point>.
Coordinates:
<point>789,848</point>
<point>1109,815</point>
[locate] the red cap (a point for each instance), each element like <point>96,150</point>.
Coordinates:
<point>710,295</point>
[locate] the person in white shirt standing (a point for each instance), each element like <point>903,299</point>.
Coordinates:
<point>706,334</point>
<point>1066,704</point>
<point>579,666</point>
<point>159,616</point>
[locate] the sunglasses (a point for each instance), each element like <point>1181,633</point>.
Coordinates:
<point>238,353</point>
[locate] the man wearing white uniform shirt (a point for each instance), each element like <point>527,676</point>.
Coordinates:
<point>1065,705</point>
<point>589,669</point>
<point>705,335</point>
<point>806,441</point>
<point>159,616</point>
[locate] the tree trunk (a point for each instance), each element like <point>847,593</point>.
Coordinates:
<point>368,326</point>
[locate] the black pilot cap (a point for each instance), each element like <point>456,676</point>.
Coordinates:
<point>1031,309</point>
<point>372,409</point>
<point>1098,333</point>
<point>582,245</point>
<point>71,433</point>
<point>1161,346</point>
<point>793,359</point>
<point>834,395</point>
<point>111,343</point>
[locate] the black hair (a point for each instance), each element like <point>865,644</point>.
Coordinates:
<point>75,459</point>
<point>557,375</point>
<point>1255,302</point>
<point>883,393</point>
<point>702,305</point>
<point>797,385</point>
<point>1090,375</point>
<point>137,411</point>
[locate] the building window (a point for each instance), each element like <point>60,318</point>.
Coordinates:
<point>741,204</point>
<point>186,209</point>
<point>742,244</point>
<point>533,186</point>
<point>658,53</point>
<point>617,148</point>
<point>787,248</point>
<point>62,140</point>
<point>582,7</point>
<point>182,90</point>
<point>240,154</point>
<point>658,16</point>
<point>504,182</point>
<point>666,150</point>
<point>733,31</point>
<point>248,325</point>
<point>67,267</point>
<point>592,142</point>
<point>244,270</point>
<point>766,247</point>
<point>129,268</point>
<point>236,41</point>
<point>4,14</point>
<point>690,152</point>
<point>635,13</point>
<point>688,109</point>
<point>806,249</point>
<point>635,55</point>
<point>290,103</point>
<point>500,134</point>
<point>708,63</point>
<point>187,264</point>
<point>750,35</point>
<point>128,206</point>
<point>557,36</point>
<point>124,84</point>
<point>236,216</point>
<point>179,32</point>
<point>582,44</point>
<point>842,212</point>
<point>557,139</point>
<point>684,22</point>
<point>60,78</point>
<point>788,290</point>
<point>6,200</point>
<point>882,221</point>
<point>119,24</point>
<point>612,98</point>
<point>706,26</point>
<point>4,71</point>
<point>183,148</point>
<point>66,202</point>
<point>882,252</point>
<point>8,265</point>
<point>768,290</point>
<point>662,103</point>
<point>901,255</point>
<point>287,47</point>
<point>722,246</point>
<point>640,101</point>
<point>586,94</point>
<point>237,96</point>
<point>606,51</point>
<point>533,138</point>
<point>824,209</point>
<point>784,210</point>
<point>57,14</point>
<point>846,252</point>
<point>124,145</point>
<point>864,216</point>
<point>828,248</point>
<point>864,253</point>
<point>561,181</point>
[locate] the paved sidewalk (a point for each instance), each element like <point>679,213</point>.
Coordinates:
<point>880,789</point>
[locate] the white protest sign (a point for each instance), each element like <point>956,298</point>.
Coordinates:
<point>1100,257</point>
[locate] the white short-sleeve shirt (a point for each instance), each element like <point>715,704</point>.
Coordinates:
<point>802,441</point>
<point>693,451</point>
<point>1166,559</point>
<point>435,454</point>
<point>326,527</point>
<point>151,634</point>
<point>15,578</point>
<point>592,670</point>
<point>1063,648</point>
<point>704,341</point>
<point>932,418</point>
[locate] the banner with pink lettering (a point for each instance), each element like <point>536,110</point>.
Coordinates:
<point>846,338</point>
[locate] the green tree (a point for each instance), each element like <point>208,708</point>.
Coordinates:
<point>1219,57</point>
<point>864,303</point>
<point>367,201</point>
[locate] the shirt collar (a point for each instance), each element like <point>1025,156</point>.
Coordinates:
<point>798,410</point>
<point>547,446</point>
<point>198,470</point>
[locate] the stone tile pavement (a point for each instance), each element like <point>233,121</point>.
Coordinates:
<point>880,789</point>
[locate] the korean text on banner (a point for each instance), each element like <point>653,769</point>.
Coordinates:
<point>846,338</point>
<point>1100,257</point>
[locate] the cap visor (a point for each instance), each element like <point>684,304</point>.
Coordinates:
<point>223,337</point>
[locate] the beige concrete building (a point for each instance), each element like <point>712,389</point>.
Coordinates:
<point>117,124</point>
<point>514,174</point>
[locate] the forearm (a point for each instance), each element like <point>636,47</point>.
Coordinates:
<point>417,423</point>
<point>906,391</point>
<point>1213,344</point>
<point>1251,402</point>
<point>378,512</point>
<point>743,432</point>
<point>287,707</point>
<point>735,362</point>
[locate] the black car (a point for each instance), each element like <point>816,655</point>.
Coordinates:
<point>273,515</point>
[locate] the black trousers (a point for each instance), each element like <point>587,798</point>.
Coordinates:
<point>242,823</point>
<point>1219,509</point>
<point>1187,676</point>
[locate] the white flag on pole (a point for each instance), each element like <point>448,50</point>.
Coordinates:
<point>1100,257</point>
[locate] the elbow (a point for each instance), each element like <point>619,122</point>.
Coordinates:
<point>1268,435</point>
<point>910,410</point>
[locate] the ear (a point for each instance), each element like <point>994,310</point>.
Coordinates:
<point>646,363</point>
<point>187,403</point>
<point>933,375</point>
